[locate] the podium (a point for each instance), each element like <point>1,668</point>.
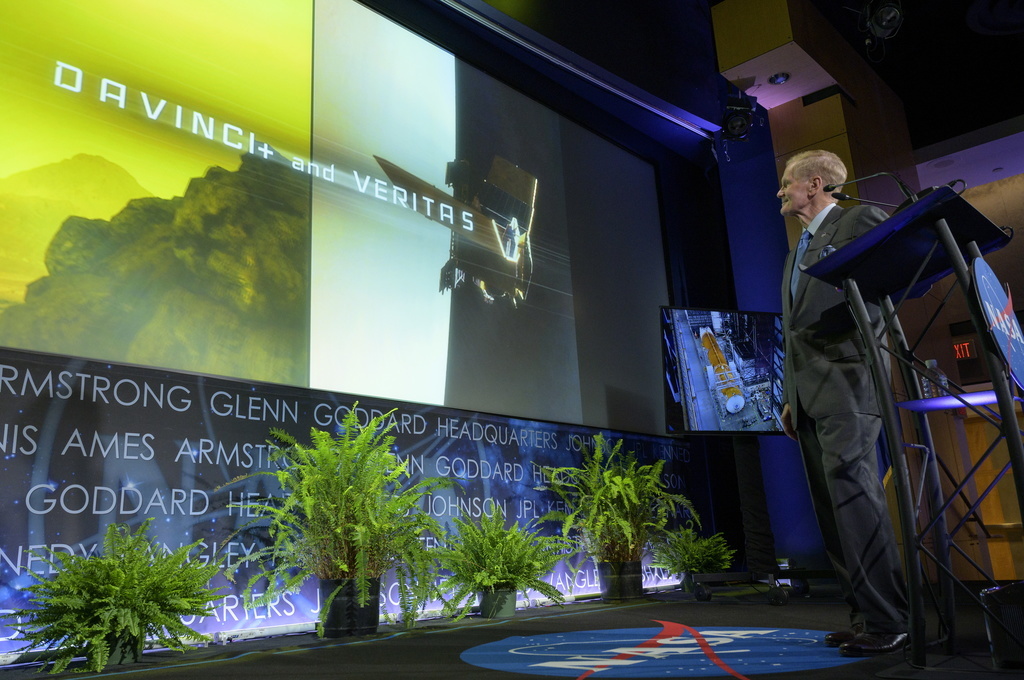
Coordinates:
<point>935,235</point>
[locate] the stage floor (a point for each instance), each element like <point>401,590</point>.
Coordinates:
<point>670,634</point>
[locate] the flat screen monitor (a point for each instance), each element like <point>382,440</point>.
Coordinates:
<point>722,371</point>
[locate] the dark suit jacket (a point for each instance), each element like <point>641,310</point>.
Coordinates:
<point>825,364</point>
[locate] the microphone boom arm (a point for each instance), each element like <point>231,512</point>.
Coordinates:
<point>907,193</point>
<point>846,197</point>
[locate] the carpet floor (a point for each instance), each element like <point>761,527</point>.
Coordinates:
<point>736,634</point>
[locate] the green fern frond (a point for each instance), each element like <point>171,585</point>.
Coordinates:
<point>349,510</point>
<point>616,505</point>
<point>486,555</point>
<point>686,552</point>
<point>132,589</point>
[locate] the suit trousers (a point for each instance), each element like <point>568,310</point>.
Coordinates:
<point>849,501</point>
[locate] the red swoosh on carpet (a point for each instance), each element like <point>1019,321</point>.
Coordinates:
<point>670,629</point>
<point>710,653</point>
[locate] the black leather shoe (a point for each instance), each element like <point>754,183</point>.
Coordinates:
<point>840,636</point>
<point>869,644</point>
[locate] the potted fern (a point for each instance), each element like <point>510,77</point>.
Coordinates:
<point>347,516</point>
<point>492,561</point>
<point>685,553</point>
<point>105,606</point>
<point>615,506</point>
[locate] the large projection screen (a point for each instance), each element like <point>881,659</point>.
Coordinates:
<point>324,199</point>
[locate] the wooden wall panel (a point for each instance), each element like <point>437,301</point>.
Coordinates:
<point>745,29</point>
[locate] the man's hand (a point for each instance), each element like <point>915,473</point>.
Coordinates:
<point>787,422</point>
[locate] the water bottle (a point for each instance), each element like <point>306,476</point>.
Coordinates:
<point>934,382</point>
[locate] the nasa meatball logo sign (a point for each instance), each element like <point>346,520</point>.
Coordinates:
<point>997,307</point>
<point>673,650</point>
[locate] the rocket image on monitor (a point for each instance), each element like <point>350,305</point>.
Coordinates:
<point>723,370</point>
<point>728,387</point>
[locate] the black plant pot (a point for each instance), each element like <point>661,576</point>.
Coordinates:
<point>345,616</point>
<point>498,604</point>
<point>620,581</point>
<point>124,649</point>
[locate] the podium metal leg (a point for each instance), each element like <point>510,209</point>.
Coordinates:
<point>890,421</point>
<point>930,481</point>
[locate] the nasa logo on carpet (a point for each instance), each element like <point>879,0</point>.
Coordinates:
<point>674,650</point>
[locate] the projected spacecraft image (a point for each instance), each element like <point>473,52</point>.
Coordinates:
<point>341,204</point>
<point>722,371</point>
<point>490,246</point>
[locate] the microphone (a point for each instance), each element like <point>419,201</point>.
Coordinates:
<point>907,193</point>
<point>846,197</point>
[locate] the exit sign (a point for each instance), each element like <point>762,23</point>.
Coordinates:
<point>964,349</point>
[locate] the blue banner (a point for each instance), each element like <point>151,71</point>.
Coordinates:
<point>85,444</point>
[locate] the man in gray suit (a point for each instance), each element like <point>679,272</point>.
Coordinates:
<point>831,410</point>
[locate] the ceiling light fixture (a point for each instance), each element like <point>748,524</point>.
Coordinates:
<point>883,18</point>
<point>738,117</point>
<point>778,78</point>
